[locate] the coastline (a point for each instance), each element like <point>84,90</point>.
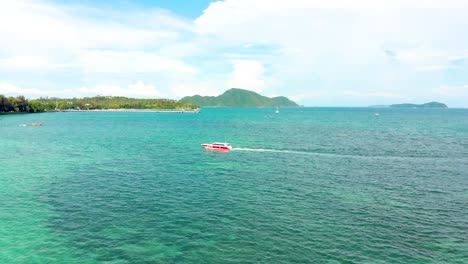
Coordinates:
<point>195,111</point>
<point>190,111</point>
<point>18,113</point>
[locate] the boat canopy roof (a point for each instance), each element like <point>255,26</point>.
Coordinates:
<point>220,144</point>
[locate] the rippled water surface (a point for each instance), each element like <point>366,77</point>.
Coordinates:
<point>316,185</point>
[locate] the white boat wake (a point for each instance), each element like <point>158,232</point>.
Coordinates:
<point>335,155</point>
<point>273,150</point>
<point>287,151</point>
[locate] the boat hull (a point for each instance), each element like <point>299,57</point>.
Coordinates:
<point>211,147</point>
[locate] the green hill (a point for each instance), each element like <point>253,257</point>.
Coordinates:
<point>239,98</point>
<point>426,105</point>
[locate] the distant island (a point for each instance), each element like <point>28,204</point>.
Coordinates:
<point>406,105</point>
<point>20,104</point>
<point>426,105</point>
<point>239,98</point>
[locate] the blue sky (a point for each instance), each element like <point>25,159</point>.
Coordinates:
<point>319,53</point>
<point>188,9</point>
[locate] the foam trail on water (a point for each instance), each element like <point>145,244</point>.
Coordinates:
<point>272,150</point>
<point>286,151</point>
<point>334,155</point>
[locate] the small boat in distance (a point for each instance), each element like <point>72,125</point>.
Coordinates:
<point>277,110</point>
<point>217,146</point>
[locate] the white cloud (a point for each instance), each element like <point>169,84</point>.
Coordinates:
<point>311,95</point>
<point>131,62</point>
<point>247,75</point>
<point>12,90</point>
<point>30,63</point>
<point>189,88</point>
<point>426,59</point>
<point>339,26</point>
<point>435,67</point>
<point>453,95</point>
<point>372,94</point>
<point>41,26</point>
<point>338,50</point>
<point>137,90</point>
<point>341,45</point>
<point>453,91</point>
<point>318,95</point>
<point>41,36</point>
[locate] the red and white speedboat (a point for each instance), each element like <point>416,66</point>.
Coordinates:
<point>217,146</point>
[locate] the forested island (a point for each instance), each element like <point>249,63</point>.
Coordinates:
<point>20,104</point>
<point>239,98</point>
<point>426,105</point>
<point>406,105</point>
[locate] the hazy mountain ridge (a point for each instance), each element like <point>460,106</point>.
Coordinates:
<point>239,98</point>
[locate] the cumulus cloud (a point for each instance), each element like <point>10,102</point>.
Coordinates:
<point>373,94</point>
<point>12,90</point>
<point>303,49</point>
<point>347,45</point>
<point>131,62</point>
<point>426,59</point>
<point>41,36</point>
<point>455,91</point>
<point>247,74</point>
<point>42,26</point>
<point>349,28</point>
<point>137,90</point>
<point>30,63</point>
<point>189,88</point>
<point>359,95</point>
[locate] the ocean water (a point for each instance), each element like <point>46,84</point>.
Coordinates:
<point>307,185</point>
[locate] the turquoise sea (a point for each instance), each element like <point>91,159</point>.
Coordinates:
<point>307,185</point>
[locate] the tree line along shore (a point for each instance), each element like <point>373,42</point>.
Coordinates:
<point>20,104</point>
